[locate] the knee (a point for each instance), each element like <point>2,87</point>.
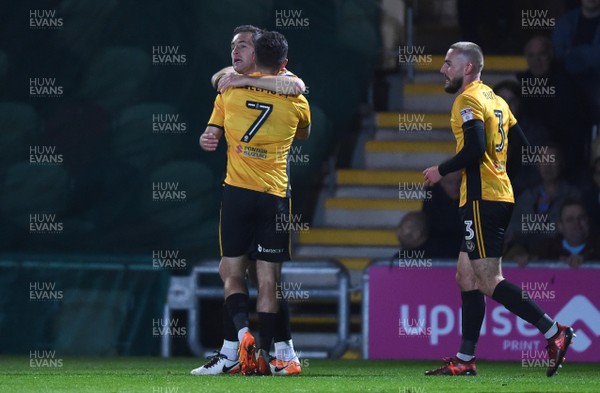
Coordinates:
<point>463,282</point>
<point>222,271</point>
<point>487,285</point>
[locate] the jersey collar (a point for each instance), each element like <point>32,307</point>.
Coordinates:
<point>473,84</point>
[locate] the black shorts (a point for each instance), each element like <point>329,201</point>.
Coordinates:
<point>484,225</point>
<point>253,224</point>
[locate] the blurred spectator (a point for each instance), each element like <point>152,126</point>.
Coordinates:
<point>413,235</point>
<point>535,131</point>
<point>547,103</point>
<point>542,70</point>
<point>443,218</point>
<point>575,243</point>
<point>510,90</point>
<point>591,195</point>
<point>577,45</point>
<point>539,55</point>
<point>576,41</point>
<point>521,176</point>
<point>537,210</point>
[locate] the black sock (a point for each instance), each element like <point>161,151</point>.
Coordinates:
<point>229,330</point>
<point>473,311</point>
<point>283,331</point>
<point>268,325</point>
<point>237,305</point>
<point>517,301</point>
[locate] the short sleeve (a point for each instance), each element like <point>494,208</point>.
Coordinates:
<point>467,108</point>
<point>217,118</point>
<point>303,113</point>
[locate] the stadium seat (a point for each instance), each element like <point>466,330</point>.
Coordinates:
<point>19,125</point>
<point>30,189</point>
<point>135,141</point>
<point>185,203</point>
<point>116,76</point>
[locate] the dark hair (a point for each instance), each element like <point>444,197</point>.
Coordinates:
<point>270,48</point>
<point>508,84</point>
<point>572,201</point>
<point>419,216</point>
<point>544,40</point>
<point>247,29</point>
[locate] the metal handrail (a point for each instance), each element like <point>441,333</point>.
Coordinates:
<point>184,293</point>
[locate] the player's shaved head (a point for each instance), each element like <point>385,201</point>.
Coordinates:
<point>470,51</point>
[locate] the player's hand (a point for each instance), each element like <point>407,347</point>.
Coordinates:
<point>431,175</point>
<point>231,80</point>
<point>208,141</point>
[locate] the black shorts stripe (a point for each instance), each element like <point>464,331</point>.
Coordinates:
<point>290,234</point>
<point>220,238</point>
<point>478,230</point>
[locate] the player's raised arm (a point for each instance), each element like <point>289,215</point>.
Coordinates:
<point>209,140</point>
<point>281,84</point>
<point>215,79</point>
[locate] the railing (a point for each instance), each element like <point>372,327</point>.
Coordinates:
<point>321,280</point>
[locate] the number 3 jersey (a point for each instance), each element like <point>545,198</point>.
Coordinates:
<point>259,128</point>
<point>487,181</point>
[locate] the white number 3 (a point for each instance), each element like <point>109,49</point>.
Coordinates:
<point>470,233</point>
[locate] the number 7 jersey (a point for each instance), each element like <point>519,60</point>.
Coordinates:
<point>259,128</point>
<point>487,180</point>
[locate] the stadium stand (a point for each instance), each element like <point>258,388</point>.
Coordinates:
<point>117,76</point>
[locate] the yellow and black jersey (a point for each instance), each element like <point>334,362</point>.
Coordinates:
<point>259,127</point>
<point>488,181</point>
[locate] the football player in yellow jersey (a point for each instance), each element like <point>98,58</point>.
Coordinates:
<point>259,127</point>
<point>481,123</point>
<point>243,64</point>
<point>237,75</point>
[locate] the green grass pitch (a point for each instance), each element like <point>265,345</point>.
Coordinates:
<point>156,375</point>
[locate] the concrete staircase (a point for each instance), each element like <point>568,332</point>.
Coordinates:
<point>355,219</point>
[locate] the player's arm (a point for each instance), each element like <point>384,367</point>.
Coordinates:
<point>517,132</point>
<point>281,84</point>
<point>214,81</point>
<point>303,133</point>
<point>209,140</point>
<point>471,153</point>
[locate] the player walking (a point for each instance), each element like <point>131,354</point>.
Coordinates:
<point>481,123</point>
